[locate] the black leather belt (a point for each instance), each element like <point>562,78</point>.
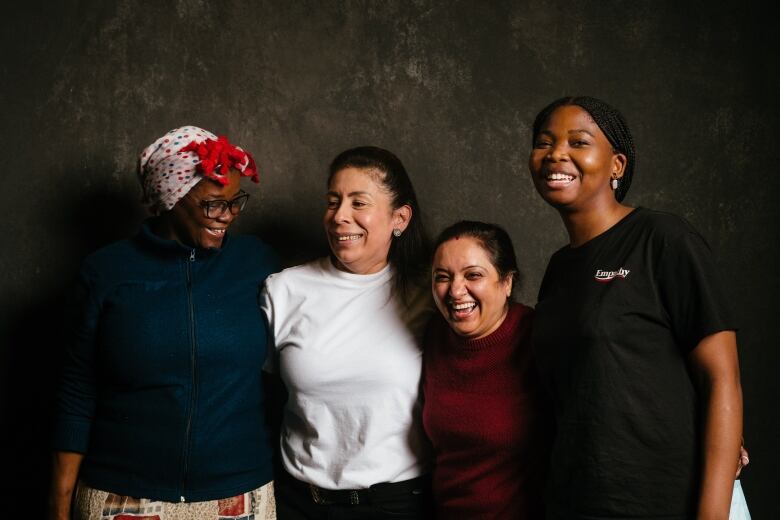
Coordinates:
<point>339,496</point>
<point>322,496</point>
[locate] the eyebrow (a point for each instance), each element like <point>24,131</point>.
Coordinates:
<point>465,268</point>
<point>350,194</point>
<point>575,131</point>
<point>218,196</point>
<point>580,130</point>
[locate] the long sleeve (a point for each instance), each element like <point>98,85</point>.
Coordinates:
<point>75,407</point>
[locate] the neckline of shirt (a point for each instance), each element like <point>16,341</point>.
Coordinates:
<point>568,249</point>
<point>356,279</point>
<point>174,247</point>
<point>500,336</point>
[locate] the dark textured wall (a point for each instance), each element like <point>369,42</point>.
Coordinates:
<point>451,87</point>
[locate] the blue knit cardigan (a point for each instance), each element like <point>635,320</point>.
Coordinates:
<point>161,384</point>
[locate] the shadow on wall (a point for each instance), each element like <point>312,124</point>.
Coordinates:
<point>86,219</point>
<point>35,340</point>
<point>293,240</point>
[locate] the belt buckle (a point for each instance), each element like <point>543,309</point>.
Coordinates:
<point>316,495</point>
<point>320,496</point>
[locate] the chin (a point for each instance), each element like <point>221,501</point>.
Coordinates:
<point>210,243</point>
<point>550,197</point>
<point>344,259</point>
<point>460,330</point>
<point>557,202</point>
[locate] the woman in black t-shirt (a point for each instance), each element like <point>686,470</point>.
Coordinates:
<point>633,337</point>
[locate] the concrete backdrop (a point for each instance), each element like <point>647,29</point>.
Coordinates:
<point>451,87</point>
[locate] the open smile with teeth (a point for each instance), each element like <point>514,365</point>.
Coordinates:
<point>559,177</point>
<point>461,310</point>
<point>216,232</point>
<point>348,238</point>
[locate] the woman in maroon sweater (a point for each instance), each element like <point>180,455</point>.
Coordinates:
<point>482,411</point>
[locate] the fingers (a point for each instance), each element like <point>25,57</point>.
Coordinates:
<point>743,461</point>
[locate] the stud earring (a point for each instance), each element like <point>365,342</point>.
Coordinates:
<point>396,232</point>
<point>614,183</point>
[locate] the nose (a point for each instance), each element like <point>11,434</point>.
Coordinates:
<point>458,287</point>
<point>341,213</point>
<point>557,152</point>
<point>226,217</point>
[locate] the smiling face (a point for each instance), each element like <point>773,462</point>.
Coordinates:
<point>467,288</point>
<point>572,161</point>
<point>360,219</point>
<point>187,222</point>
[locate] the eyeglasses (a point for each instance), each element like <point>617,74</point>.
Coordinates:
<point>215,208</point>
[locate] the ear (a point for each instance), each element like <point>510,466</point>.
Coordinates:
<point>402,216</point>
<point>619,163</point>
<point>508,285</point>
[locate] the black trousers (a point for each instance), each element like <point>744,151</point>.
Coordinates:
<point>407,500</point>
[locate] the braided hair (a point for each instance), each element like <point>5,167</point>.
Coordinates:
<point>610,121</point>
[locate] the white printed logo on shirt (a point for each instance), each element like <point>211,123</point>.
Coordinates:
<point>607,276</point>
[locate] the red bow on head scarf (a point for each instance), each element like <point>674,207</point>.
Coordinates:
<point>217,157</point>
<point>176,162</point>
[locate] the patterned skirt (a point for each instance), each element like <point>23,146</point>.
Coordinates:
<point>94,504</point>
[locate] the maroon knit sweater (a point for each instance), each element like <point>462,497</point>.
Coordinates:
<point>484,416</point>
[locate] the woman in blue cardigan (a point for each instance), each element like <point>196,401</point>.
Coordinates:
<point>161,396</point>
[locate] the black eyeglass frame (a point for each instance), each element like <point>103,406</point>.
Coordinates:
<point>219,206</point>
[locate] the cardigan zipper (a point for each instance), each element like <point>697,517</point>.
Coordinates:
<point>193,396</point>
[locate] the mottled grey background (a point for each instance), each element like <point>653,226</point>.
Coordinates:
<point>451,87</point>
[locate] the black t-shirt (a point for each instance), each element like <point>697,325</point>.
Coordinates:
<point>615,321</point>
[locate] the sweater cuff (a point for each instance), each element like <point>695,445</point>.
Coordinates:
<point>71,435</point>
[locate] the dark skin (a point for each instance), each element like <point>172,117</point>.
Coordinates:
<point>572,164</point>
<point>187,224</point>
<point>65,472</point>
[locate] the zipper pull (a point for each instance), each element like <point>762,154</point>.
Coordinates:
<point>192,255</point>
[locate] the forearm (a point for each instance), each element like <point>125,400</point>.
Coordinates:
<point>717,370</point>
<point>65,471</point>
<point>722,436</point>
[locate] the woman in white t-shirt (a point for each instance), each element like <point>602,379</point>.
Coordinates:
<point>346,333</point>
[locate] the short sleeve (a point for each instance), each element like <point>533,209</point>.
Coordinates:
<point>271,364</point>
<point>691,290</point>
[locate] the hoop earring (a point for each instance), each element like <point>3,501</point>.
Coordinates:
<point>396,232</point>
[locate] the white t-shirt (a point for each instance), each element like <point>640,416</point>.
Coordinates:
<point>350,356</point>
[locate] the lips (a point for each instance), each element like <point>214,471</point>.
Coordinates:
<point>346,238</point>
<point>558,178</point>
<point>461,310</point>
<point>216,232</point>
